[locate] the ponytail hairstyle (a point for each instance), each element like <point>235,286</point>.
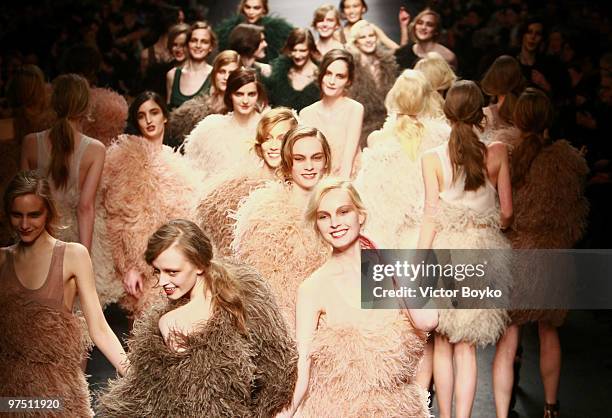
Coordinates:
<point>31,182</point>
<point>70,100</point>
<point>197,249</point>
<point>439,73</point>
<point>532,116</point>
<point>504,78</point>
<point>406,100</point>
<point>463,109</point>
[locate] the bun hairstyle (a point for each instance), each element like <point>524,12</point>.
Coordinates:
<point>463,109</point>
<point>533,114</point>
<point>145,96</point>
<point>203,25</point>
<point>264,4</point>
<point>295,135</point>
<point>70,100</point>
<point>31,182</point>
<point>198,250</point>
<point>504,77</point>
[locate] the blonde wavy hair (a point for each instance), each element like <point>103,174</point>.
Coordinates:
<point>356,30</point>
<point>410,97</point>
<point>439,73</point>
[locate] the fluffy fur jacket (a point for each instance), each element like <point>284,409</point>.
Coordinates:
<point>271,235</point>
<point>282,93</point>
<point>371,93</point>
<point>550,212</point>
<point>222,373</point>
<point>41,350</point>
<point>143,188</point>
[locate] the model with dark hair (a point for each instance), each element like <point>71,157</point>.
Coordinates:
<point>270,233</point>
<point>463,181</point>
<point>550,211</point>
<point>250,42</point>
<point>336,75</point>
<point>223,141</point>
<point>219,346</point>
<point>137,168</point>
<point>184,118</point>
<point>293,82</point>
<point>256,12</point>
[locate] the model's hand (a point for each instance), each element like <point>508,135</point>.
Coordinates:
<point>403,17</point>
<point>132,283</point>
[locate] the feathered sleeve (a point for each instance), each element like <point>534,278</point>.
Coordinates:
<point>185,118</point>
<point>271,235</point>
<point>204,146</point>
<point>221,198</point>
<point>276,354</point>
<point>108,115</point>
<point>550,209</point>
<point>145,188</point>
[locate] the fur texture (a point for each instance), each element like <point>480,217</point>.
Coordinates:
<point>282,93</point>
<point>221,198</point>
<point>366,371</point>
<point>222,373</point>
<point>276,29</point>
<point>41,356</point>
<point>143,189</point>
<point>550,211</point>
<point>108,115</point>
<point>217,144</point>
<point>461,228</point>
<point>271,235</point>
<point>371,93</point>
<point>390,184</point>
<point>184,118</point>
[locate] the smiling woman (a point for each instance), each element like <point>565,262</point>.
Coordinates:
<point>42,277</point>
<point>270,233</point>
<point>218,348</point>
<point>255,12</point>
<point>293,82</point>
<point>382,347</point>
